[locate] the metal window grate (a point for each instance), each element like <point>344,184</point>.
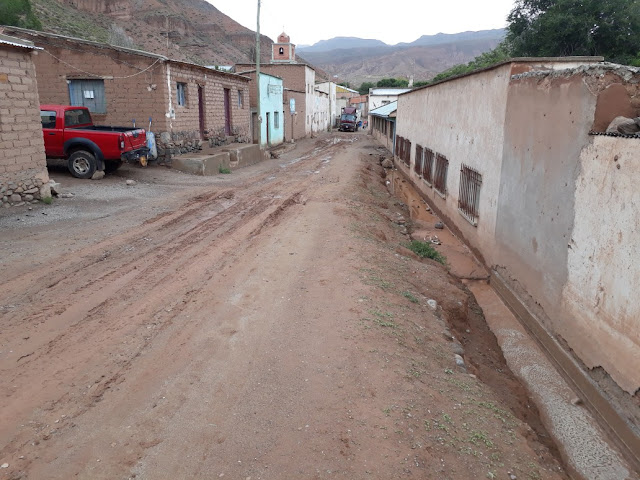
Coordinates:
<point>181,93</point>
<point>407,152</point>
<point>399,146</point>
<point>427,165</point>
<point>440,175</point>
<point>417,167</point>
<point>469,197</point>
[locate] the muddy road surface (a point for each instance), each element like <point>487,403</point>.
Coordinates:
<point>267,324</point>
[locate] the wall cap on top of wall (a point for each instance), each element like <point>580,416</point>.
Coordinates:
<point>586,60</point>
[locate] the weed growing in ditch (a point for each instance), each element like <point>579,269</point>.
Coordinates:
<point>373,278</point>
<point>47,200</point>
<point>384,319</point>
<point>426,250</point>
<point>410,296</point>
<point>223,169</point>
<point>480,437</point>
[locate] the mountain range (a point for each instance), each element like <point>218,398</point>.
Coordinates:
<point>196,31</point>
<point>357,60</point>
<point>188,30</point>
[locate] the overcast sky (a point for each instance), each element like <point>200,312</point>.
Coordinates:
<point>392,21</point>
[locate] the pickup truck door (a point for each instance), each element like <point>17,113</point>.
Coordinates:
<point>53,131</point>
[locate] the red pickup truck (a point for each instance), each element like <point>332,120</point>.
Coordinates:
<point>69,133</point>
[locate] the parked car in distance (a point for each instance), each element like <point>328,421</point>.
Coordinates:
<point>69,134</point>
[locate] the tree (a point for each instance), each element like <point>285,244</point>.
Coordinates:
<point>364,88</point>
<point>392,83</point>
<point>19,14</point>
<point>487,59</point>
<point>608,28</point>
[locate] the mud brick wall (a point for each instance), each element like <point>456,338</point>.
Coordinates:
<point>213,84</point>
<point>23,170</point>
<point>134,85</point>
<point>293,75</point>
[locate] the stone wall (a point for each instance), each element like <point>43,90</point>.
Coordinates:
<point>23,171</point>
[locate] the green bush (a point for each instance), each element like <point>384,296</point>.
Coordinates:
<point>19,14</point>
<point>426,250</point>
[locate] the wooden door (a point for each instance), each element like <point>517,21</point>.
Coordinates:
<point>201,110</point>
<point>227,111</point>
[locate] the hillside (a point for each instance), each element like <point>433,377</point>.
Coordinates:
<point>341,43</point>
<point>196,31</point>
<point>422,59</point>
<point>189,30</point>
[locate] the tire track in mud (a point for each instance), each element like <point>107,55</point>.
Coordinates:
<point>94,300</point>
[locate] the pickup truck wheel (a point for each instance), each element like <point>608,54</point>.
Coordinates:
<point>82,164</point>
<point>112,166</point>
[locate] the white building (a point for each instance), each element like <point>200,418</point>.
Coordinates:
<point>379,97</point>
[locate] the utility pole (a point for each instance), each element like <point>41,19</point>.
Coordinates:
<point>258,77</point>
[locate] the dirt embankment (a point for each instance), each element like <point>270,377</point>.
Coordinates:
<point>259,327</point>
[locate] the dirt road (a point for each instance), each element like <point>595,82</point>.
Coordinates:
<point>266,325</point>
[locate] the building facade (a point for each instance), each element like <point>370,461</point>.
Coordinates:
<point>185,103</point>
<point>382,122</point>
<point>23,169</point>
<point>379,97</point>
<point>552,209</point>
<point>294,114</point>
<point>271,109</point>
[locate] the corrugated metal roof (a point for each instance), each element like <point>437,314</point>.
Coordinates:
<point>36,34</point>
<point>17,42</point>
<point>385,110</point>
<point>389,91</point>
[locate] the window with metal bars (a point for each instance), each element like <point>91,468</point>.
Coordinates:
<point>427,166</point>
<point>399,146</point>
<point>407,152</point>
<point>440,174</point>
<point>417,167</point>
<point>181,93</point>
<point>469,196</point>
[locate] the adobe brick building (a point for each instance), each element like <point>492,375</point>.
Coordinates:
<point>187,103</point>
<point>283,50</point>
<point>23,169</point>
<point>298,77</point>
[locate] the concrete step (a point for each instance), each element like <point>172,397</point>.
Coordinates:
<point>245,155</point>
<point>204,165</point>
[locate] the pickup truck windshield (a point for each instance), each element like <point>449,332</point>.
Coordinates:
<point>348,118</point>
<point>77,117</point>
